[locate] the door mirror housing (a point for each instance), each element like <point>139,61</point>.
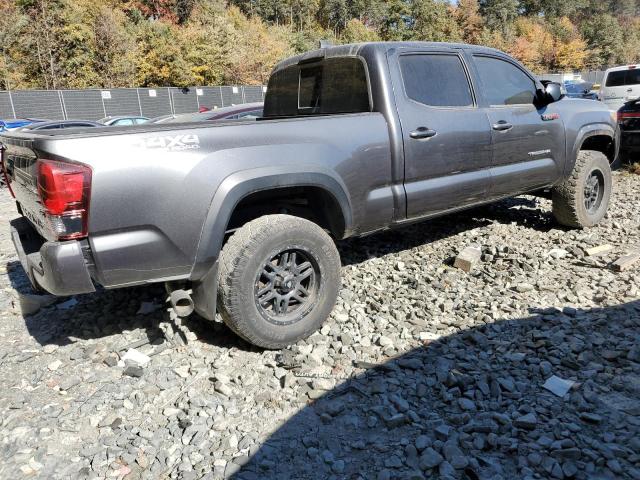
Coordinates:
<point>552,92</point>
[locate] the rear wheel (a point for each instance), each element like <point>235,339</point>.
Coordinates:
<point>582,199</point>
<point>279,280</point>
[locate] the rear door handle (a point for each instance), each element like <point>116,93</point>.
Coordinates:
<point>502,125</point>
<point>422,132</point>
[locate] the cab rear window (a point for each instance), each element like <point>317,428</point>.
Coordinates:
<point>622,78</point>
<point>331,86</point>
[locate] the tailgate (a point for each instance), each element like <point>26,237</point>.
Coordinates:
<point>629,116</point>
<point>20,163</point>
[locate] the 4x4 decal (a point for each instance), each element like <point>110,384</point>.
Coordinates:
<point>170,143</point>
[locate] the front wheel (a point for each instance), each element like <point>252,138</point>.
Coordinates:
<point>582,199</point>
<point>279,280</point>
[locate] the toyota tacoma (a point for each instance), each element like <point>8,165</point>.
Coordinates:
<point>241,218</point>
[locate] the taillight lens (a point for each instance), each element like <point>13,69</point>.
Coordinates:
<point>625,115</point>
<point>64,190</point>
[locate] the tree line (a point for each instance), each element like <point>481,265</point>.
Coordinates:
<point>125,43</point>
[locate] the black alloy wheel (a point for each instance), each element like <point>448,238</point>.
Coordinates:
<point>593,191</point>
<point>286,288</point>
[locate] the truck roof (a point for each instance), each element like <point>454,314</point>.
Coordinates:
<point>355,49</point>
<point>622,67</point>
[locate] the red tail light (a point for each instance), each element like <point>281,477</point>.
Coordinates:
<point>624,115</point>
<point>64,190</point>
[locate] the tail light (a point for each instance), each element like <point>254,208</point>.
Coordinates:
<point>64,190</point>
<point>625,115</point>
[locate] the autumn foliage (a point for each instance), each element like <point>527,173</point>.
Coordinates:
<point>124,43</point>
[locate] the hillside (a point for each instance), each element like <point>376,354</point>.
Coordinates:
<point>111,43</point>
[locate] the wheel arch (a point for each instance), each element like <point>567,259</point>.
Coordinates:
<point>600,137</point>
<point>241,185</point>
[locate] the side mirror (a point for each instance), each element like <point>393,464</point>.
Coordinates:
<point>553,91</point>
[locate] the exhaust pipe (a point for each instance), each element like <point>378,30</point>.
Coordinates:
<point>181,302</point>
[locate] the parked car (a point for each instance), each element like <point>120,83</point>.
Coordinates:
<point>11,124</point>
<point>58,124</point>
<point>629,121</point>
<point>354,139</point>
<point>580,90</point>
<point>619,85</point>
<point>122,120</point>
<point>245,111</point>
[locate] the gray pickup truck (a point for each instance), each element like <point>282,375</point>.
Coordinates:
<point>241,218</point>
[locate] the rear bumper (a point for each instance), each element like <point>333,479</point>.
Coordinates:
<point>57,267</point>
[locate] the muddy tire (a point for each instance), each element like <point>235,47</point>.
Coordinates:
<point>279,280</point>
<point>582,199</point>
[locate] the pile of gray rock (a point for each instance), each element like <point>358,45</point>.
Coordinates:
<point>526,366</point>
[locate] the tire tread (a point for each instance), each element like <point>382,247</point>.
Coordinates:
<point>233,258</point>
<point>565,202</point>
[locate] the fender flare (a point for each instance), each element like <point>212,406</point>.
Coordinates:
<point>586,132</point>
<point>240,184</point>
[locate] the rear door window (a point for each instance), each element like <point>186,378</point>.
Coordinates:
<point>330,86</point>
<point>503,83</point>
<point>633,77</point>
<point>623,78</point>
<point>436,80</point>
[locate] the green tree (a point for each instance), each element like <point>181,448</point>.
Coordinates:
<point>40,38</point>
<point>434,21</point>
<point>115,48</point>
<point>396,20</point>
<point>553,8</point>
<point>499,14</point>
<point>160,60</point>
<point>604,38</point>
<point>626,8</point>
<point>356,31</point>
<point>183,9</point>
<point>334,14</point>
<point>369,12</point>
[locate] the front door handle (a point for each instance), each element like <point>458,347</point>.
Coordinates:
<point>502,125</point>
<point>422,132</point>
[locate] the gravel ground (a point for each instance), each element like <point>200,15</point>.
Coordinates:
<point>422,371</point>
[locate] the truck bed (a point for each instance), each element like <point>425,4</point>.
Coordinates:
<point>154,186</point>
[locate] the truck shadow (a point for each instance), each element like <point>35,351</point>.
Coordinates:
<point>472,405</point>
<point>109,312</point>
